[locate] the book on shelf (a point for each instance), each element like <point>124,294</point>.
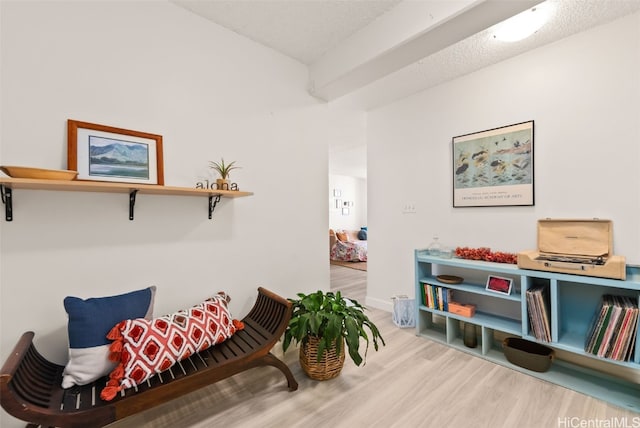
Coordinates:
<point>629,339</point>
<point>603,322</point>
<point>629,354</point>
<point>426,292</point>
<point>436,297</point>
<point>538,308</point>
<point>613,328</point>
<point>621,334</point>
<point>596,324</point>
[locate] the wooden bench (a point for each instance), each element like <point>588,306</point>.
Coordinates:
<point>30,386</point>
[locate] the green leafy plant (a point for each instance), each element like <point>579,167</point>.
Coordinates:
<point>330,317</point>
<point>222,168</point>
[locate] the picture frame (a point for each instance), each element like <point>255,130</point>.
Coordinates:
<point>338,203</point>
<point>345,211</point>
<point>106,153</point>
<point>494,167</point>
<point>337,193</point>
<point>499,284</point>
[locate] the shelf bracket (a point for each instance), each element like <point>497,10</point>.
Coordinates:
<point>212,204</point>
<point>7,200</point>
<point>132,202</point>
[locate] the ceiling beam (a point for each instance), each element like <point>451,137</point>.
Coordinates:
<point>414,31</point>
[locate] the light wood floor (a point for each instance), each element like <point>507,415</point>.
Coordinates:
<point>412,382</point>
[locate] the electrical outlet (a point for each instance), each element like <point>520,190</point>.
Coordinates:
<point>409,208</point>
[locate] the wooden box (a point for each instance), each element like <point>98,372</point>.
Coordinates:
<point>566,246</point>
<point>464,309</point>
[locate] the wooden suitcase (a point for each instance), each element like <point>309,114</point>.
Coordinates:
<point>580,247</point>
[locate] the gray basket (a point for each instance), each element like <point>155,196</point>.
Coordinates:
<point>404,311</point>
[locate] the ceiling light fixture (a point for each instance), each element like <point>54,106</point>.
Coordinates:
<point>523,24</point>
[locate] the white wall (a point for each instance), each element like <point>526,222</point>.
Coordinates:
<point>584,95</point>
<point>352,189</point>
<point>154,67</point>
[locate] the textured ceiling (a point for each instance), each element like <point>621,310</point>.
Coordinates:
<point>482,50</point>
<point>301,29</point>
<point>310,31</point>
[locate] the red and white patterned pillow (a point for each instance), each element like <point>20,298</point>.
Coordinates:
<point>144,347</point>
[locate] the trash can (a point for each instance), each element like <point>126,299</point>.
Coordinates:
<point>404,311</point>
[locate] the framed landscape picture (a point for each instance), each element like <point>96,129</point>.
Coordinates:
<point>105,153</point>
<point>494,167</point>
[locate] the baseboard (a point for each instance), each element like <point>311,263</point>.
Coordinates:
<point>385,305</point>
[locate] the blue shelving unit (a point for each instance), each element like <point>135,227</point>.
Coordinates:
<point>574,300</point>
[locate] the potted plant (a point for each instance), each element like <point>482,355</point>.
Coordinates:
<point>322,323</point>
<point>224,170</point>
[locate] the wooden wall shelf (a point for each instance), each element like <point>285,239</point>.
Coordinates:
<point>7,185</point>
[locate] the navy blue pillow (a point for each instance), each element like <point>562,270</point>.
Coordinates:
<point>362,235</point>
<point>90,321</point>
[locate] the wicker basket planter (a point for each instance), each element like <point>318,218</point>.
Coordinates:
<point>318,321</point>
<point>329,366</point>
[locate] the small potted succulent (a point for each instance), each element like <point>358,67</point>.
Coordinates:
<point>224,170</point>
<point>322,323</point>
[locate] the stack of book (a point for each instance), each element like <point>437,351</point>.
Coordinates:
<point>436,297</point>
<point>613,329</point>
<point>538,306</point>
